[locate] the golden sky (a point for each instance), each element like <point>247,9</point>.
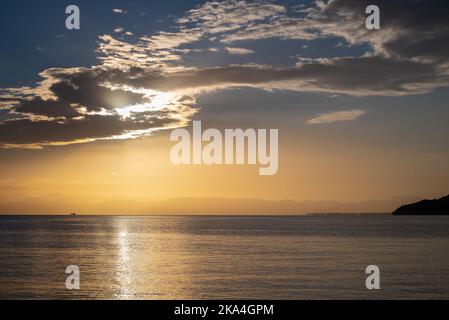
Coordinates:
<point>362,115</point>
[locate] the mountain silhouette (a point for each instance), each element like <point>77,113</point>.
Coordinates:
<point>426,207</point>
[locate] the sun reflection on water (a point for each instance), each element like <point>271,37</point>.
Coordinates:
<point>124,271</point>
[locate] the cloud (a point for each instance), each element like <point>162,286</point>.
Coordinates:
<point>86,88</point>
<point>169,40</point>
<point>142,85</point>
<point>228,21</point>
<point>337,116</point>
<point>115,53</point>
<point>353,76</point>
<point>119,11</point>
<point>34,134</point>
<point>104,103</point>
<point>239,51</point>
<point>282,27</point>
<point>416,30</point>
<point>409,29</point>
<point>6,101</point>
<point>80,106</point>
<point>50,108</point>
<point>223,16</point>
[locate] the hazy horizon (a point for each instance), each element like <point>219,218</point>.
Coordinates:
<point>208,206</point>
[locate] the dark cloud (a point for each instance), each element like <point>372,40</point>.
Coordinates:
<point>86,89</point>
<point>26,131</point>
<point>434,46</point>
<point>409,28</point>
<point>49,108</point>
<point>8,99</point>
<point>373,75</point>
<point>75,111</point>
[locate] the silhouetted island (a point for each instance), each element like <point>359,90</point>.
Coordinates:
<point>438,207</point>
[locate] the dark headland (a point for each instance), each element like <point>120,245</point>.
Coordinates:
<point>438,207</point>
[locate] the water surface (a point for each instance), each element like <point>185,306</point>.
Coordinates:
<point>316,257</point>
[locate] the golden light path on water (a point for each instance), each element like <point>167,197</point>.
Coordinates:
<point>123,273</point>
<point>150,262</point>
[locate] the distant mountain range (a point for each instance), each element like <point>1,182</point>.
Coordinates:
<point>198,206</point>
<point>425,207</point>
<point>204,206</point>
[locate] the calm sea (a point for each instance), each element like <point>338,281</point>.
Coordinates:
<point>316,257</point>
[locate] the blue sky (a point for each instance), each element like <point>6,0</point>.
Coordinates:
<point>38,39</point>
<point>30,26</point>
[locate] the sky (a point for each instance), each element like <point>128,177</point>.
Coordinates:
<point>86,115</point>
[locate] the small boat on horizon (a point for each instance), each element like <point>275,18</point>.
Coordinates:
<point>73,214</point>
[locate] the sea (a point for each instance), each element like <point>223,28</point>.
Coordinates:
<point>215,257</point>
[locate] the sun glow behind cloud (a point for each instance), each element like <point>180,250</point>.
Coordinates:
<point>159,101</point>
